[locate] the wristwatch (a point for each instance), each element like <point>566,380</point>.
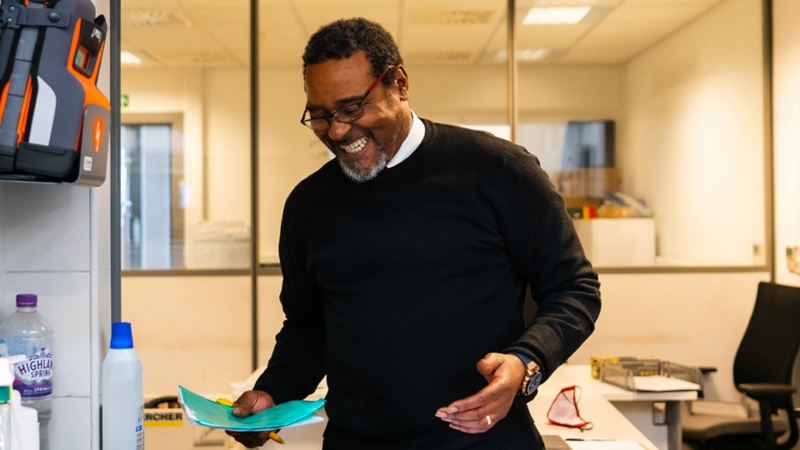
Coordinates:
<point>532,379</point>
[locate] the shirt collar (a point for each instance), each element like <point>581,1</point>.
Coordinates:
<point>411,142</point>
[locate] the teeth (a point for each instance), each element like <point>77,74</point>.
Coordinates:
<point>355,146</point>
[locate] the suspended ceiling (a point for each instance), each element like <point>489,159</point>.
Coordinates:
<point>180,33</point>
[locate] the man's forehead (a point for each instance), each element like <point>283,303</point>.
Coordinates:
<point>337,80</point>
<point>356,65</point>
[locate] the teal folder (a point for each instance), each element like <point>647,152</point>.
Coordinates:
<point>208,413</point>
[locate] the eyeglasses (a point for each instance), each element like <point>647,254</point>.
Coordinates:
<point>346,114</point>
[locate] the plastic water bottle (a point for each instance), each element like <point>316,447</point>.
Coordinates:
<point>122,393</point>
<point>27,333</point>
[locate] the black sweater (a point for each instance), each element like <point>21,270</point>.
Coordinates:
<point>396,287</point>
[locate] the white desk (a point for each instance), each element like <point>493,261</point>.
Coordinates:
<point>609,423</point>
<point>580,375</point>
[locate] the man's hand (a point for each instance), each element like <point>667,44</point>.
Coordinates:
<point>248,404</point>
<point>481,411</point>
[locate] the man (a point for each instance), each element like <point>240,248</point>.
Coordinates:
<point>407,265</point>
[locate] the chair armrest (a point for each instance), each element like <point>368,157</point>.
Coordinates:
<point>719,408</point>
<point>705,370</point>
<point>766,388</point>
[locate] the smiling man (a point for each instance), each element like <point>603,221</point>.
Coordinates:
<point>363,145</point>
<point>405,263</point>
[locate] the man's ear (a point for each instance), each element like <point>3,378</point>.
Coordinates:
<point>401,79</point>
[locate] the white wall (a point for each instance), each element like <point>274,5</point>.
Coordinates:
<point>692,143</point>
<point>174,91</point>
<point>695,319</point>
<point>53,242</point>
<point>226,116</point>
<point>786,116</point>
<point>786,140</point>
<point>571,93</point>
<point>288,152</point>
<point>690,318</point>
<point>189,330</point>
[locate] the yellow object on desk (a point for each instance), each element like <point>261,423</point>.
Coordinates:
<point>272,435</point>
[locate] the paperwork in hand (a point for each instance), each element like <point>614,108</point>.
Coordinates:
<point>209,413</point>
<point>658,383</point>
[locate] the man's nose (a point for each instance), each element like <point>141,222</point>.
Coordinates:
<point>338,130</point>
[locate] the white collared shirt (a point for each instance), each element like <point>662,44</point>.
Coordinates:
<point>411,142</point>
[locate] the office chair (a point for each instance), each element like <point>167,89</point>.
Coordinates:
<point>762,370</point>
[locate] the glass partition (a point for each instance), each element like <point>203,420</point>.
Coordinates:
<point>186,147</point>
<point>185,191</point>
<point>649,117</point>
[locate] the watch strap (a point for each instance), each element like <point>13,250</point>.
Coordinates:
<point>532,378</point>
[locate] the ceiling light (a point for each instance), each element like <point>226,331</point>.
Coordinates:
<point>128,58</point>
<point>524,54</point>
<point>532,54</point>
<point>565,15</point>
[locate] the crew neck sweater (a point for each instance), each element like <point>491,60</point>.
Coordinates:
<point>396,287</point>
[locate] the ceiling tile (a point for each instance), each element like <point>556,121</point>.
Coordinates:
<point>553,37</point>
<point>633,27</point>
<point>313,19</point>
<point>447,31</point>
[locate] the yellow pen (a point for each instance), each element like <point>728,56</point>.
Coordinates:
<point>272,435</point>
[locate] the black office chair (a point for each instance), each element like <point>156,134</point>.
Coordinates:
<point>762,370</point>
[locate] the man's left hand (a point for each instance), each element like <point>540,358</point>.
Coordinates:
<point>481,411</point>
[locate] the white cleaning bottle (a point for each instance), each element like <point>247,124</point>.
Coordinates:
<point>19,427</point>
<point>122,393</point>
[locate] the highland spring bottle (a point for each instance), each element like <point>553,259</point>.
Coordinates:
<point>27,333</point>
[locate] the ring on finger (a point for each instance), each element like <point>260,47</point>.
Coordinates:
<point>488,420</point>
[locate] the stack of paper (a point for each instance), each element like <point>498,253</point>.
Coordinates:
<point>208,413</point>
<point>658,383</point>
<point>604,445</point>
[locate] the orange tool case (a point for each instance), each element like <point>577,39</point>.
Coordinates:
<point>54,121</point>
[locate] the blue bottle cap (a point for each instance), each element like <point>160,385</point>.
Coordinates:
<point>121,336</point>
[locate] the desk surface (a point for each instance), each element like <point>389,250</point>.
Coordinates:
<point>608,422</point>
<point>594,405</point>
<point>580,375</point>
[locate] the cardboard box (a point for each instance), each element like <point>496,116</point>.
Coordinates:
<point>627,242</point>
<point>584,185</point>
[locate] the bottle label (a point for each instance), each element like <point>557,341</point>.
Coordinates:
<point>140,429</point>
<point>33,377</point>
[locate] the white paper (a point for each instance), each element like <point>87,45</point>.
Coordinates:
<point>658,383</point>
<point>604,445</point>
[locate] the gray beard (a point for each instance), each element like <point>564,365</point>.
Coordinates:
<point>362,176</point>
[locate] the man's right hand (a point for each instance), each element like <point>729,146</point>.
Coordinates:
<point>248,404</point>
